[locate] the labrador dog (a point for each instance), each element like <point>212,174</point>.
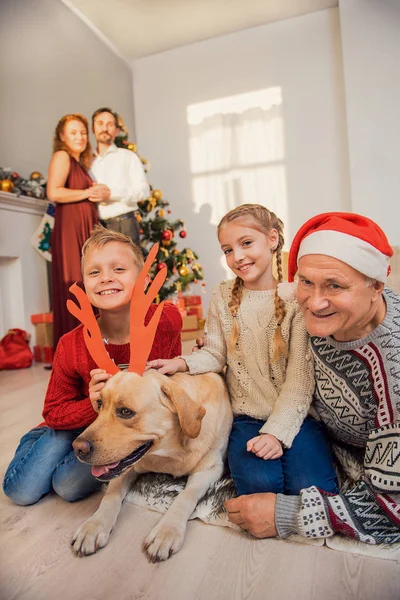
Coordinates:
<point>177,425</point>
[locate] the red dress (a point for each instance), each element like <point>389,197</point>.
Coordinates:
<point>73,225</point>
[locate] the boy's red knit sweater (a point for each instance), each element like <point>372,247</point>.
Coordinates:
<point>67,404</point>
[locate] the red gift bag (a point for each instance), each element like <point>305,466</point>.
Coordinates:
<point>14,350</point>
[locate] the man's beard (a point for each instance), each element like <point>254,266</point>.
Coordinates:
<point>105,138</point>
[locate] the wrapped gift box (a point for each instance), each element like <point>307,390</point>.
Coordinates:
<point>195,310</point>
<point>42,318</point>
<point>189,328</point>
<point>192,300</point>
<point>43,354</point>
<point>44,334</point>
<point>43,329</point>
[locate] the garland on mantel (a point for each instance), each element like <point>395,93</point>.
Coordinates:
<point>12,182</point>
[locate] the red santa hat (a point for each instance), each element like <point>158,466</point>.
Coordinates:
<point>353,239</point>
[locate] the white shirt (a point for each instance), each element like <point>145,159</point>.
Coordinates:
<point>123,172</point>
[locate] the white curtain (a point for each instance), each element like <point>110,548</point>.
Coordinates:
<point>237,153</point>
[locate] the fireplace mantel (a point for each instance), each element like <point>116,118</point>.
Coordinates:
<point>24,204</point>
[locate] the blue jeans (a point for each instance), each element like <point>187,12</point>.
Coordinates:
<point>45,460</point>
<point>307,462</point>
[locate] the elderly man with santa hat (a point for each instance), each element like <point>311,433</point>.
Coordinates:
<point>342,263</point>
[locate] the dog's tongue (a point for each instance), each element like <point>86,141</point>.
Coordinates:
<point>98,471</point>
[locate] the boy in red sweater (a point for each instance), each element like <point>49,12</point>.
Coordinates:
<point>44,459</point>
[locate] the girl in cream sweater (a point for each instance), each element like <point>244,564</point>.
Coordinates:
<point>263,343</point>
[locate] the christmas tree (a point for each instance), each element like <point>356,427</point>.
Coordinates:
<point>182,265</point>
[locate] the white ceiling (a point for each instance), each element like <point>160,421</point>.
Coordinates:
<point>137,28</point>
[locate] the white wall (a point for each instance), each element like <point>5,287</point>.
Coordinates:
<point>51,64</point>
<point>371,57</point>
<point>300,55</point>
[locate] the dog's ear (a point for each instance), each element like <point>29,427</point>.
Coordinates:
<point>190,414</point>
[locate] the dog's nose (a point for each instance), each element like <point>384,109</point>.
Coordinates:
<point>82,448</point>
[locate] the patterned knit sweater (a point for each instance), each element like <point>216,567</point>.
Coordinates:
<point>279,392</point>
<point>357,396</point>
<point>67,405</point>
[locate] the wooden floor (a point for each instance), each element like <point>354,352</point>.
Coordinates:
<point>36,562</point>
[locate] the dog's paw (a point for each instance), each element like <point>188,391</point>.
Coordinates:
<point>163,541</point>
<point>90,537</point>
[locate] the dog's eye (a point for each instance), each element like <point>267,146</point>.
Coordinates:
<point>99,404</point>
<point>125,413</point>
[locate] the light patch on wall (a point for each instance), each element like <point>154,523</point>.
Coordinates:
<point>237,153</point>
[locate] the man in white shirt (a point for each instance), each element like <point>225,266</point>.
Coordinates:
<point>122,171</point>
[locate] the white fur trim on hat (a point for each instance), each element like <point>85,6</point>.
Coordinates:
<point>351,250</point>
<point>287,291</point>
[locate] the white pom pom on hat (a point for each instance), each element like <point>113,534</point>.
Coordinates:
<point>351,238</point>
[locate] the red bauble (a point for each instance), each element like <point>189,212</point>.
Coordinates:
<point>14,175</point>
<point>167,234</point>
<point>182,234</point>
<point>141,231</point>
<point>169,211</point>
<point>195,281</point>
<point>161,265</point>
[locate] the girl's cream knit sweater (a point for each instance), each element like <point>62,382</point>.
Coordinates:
<point>279,393</point>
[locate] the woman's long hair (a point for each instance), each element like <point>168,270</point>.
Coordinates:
<point>86,156</point>
<point>260,218</point>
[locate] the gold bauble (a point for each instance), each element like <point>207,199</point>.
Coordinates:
<point>6,185</point>
<point>36,175</point>
<point>132,147</point>
<point>161,213</point>
<point>166,242</point>
<point>183,271</point>
<point>138,218</point>
<point>157,194</point>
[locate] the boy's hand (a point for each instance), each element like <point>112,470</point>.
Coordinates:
<point>99,378</point>
<point>265,446</point>
<point>167,366</point>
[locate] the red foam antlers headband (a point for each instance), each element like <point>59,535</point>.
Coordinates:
<point>141,335</point>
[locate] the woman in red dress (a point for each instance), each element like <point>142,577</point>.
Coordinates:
<point>76,198</point>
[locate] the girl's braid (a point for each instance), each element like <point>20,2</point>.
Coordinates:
<point>233,305</point>
<point>280,346</point>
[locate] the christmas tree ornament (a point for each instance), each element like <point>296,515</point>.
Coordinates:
<point>167,234</point>
<point>183,271</point>
<point>157,194</point>
<point>36,175</point>
<point>161,265</point>
<point>182,234</point>
<point>132,147</point>
<point>6,185</point>
<point>15,175</point>
<point>166,243</point>
<point>139,218</point>
<point>169,211</point>
<point>195,280</point>
<point>161,213</point>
